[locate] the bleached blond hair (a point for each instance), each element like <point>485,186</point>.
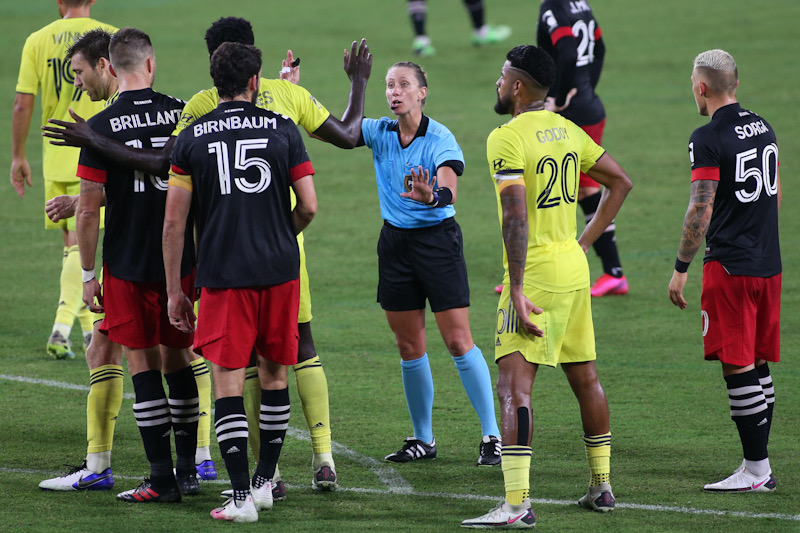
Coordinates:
<point>718,70</point>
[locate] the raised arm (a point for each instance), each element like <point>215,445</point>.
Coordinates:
<point>345,133</point>
<point>20,124</point>
<point>78,133</point>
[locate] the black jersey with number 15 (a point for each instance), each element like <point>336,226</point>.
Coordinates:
<point>242,161</point>
<point>739,148</point>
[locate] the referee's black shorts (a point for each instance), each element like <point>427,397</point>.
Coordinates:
<point>419,263</point>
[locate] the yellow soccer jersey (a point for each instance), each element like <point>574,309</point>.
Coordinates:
<point>43,67</point>
<point>280,96</point>
<point>544,152</point>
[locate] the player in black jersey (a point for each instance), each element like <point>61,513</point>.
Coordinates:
<point>572,36</point>
<point>236,166</point>
<point>736,193</point>
<point>133,295</point>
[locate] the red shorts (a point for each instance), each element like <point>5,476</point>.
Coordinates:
<point>595,131</point>
<point>136,313</point>
<point>741,316</point>
<point>233,321</point>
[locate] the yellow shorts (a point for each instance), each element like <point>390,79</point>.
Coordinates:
<point>566,322</point>
<point>305,294</point>
<point>60,188</point>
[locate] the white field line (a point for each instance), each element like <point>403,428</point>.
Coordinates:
<point>395,483</point>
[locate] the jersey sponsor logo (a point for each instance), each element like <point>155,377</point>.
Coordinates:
<point>497,164</point>
<point>751,130</point>
<point>235,122</point>
<point>142,102</point>
<point>552,135</point>
<point>144,120</point>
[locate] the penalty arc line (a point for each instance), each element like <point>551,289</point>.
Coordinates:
<point>397,485</point>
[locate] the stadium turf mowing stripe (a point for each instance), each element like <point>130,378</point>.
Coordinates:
<point>394,481</point>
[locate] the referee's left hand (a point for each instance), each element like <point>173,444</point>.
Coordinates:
<point>421,186</point>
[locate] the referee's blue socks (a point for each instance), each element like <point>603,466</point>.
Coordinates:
<point>477,381</point>
<point>418,386</point>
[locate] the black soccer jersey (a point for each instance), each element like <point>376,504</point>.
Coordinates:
<point>242,161</point>
<point>135,201</point>
<point>738,148</point>
<point>570,33</point>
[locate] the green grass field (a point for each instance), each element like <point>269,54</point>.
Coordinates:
<point>672,432</point>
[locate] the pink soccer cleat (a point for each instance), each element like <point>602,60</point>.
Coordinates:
<point>608,285</point>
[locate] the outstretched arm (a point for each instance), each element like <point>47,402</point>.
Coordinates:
<point>20,123</point>
<point>78,133</point>
<point>695,227</point>
<point>345,133</point>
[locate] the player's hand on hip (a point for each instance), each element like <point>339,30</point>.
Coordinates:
<point>358,61</point>
<point>93,295</point>
<point>524,307</point>
<point>61,207</point>
<point>20,175</point>
<point>550,102</point>
<point>65,133</point>
<point>676,285</point>
<point>181,312</point>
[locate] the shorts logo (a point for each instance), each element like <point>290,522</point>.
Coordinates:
<point>497,164</point>
<point>704,315</point>
<point>506,320</point>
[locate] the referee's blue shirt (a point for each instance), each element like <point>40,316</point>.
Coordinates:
<point>432,147</point>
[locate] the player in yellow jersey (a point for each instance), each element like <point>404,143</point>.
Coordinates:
<point>282,96</point>
<point>44,68</point>
<point>90,60</point>
<point>535,160</point>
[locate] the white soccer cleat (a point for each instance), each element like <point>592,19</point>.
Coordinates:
<point>324,478</point>
<point>743,481</point>
<point>233,513</point>
<point>504,517</point>
<point>599,498</point>
<point>262,496</point>
<point>80,478</point>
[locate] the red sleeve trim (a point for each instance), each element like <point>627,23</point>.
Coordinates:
<point>178,170</point>
<point>561,32</point>
<point>597,34</point>
<point>301,171</point>
<point>91,174</point>
<point>705,173</point>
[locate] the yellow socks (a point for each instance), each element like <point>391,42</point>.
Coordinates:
<point>516,465</point>
<point>252,408</point>
<point>312,387</point>
<point>203,378</point>
<point>102,407</point>
<point>598,453</point>
<point>70,301</point>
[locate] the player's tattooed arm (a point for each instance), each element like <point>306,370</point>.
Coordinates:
<point>697,219</point>
<point>515,237</point>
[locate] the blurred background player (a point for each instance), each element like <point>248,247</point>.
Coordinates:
<point>90,63</point>
<point>736,194</point>
<point>570,33</point>
<point>44,67</point>
<point>90,60</point>
<point>298,104</point>
<point>420,258</point>
<point>482,33</point>
<point>547,275</point>
<point>134,290</point>
<point>249,262</point>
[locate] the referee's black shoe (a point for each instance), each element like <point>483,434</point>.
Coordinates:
<point>412,450</point>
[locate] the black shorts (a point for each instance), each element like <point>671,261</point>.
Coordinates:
<point>415,264</point>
